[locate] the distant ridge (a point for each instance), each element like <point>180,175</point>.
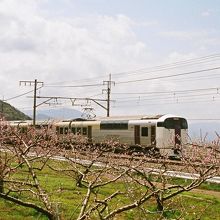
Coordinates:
<point>59,113</point>
<point>10,113</point>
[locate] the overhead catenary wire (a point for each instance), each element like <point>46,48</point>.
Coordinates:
<point>169,76</point>
<point>74,86</point>
<point>194,61</point>
<point>174,102</point>
<point>172,91</point>
<point>170,66</point>
<point>20,95</point>
<point>137,80</point>
<point>188,78</point>
<point>177,76</point>
<point>171,97</point>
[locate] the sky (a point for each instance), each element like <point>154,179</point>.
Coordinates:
<point>160,56</point>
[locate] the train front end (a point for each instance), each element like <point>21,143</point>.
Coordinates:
<point>172,135</point>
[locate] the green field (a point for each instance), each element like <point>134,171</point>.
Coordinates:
<point>67,199</point>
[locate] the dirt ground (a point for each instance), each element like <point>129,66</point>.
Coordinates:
<point>215,194</point>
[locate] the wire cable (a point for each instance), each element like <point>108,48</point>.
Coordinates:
<point>172,91</point>
<point>18,96</point>
<point>194,61</point>
<point>73,86</point>
<point>169,76</point>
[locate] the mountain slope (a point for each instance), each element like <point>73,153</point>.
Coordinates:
<point>10,113</point>
<point>60,113</point>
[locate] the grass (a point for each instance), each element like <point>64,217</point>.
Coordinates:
<point>205,186</point>
<point>67,199</point>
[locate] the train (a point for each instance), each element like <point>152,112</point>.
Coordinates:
<point>165,133</point>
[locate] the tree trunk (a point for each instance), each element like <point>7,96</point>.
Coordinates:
<point>159,203</point>
<point>79,180</point>
<point>1,185</point>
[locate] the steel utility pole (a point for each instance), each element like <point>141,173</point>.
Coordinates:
<point>35,82</point>
<point>108,83</point>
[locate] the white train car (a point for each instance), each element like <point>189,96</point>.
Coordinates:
<point>164,132</point>
<point>21,125</point>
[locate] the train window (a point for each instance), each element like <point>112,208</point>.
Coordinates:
<point>66,130</point>
<point>184,124</point>
<point>61,130</point>
<point>57,130</point>
<point>153,130</point>
<point>160,124</point>
<point>173,123</point>
<point>114,125</point>
<point>73,130</point>
<point>144,131</point>
<point>84,131</point>
<point>78,130</point>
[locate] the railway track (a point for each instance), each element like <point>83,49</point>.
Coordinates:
<point>170,168</point>
<point>147,160</point>
<point>136,157</point>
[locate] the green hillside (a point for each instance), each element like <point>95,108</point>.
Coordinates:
<point>10,113</point>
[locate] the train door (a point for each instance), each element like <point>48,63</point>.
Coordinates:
<point>153,135</point>
<point>90,133</point>
<point>137,134</point>
<point>177,135</point>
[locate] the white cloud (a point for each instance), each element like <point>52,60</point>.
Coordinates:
<point>209,12</point>
<point>176,56</point>
<point>34,45</point>
<point>206,13</point>
<point>184,35</point>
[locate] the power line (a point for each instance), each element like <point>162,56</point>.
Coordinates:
<point>174,97</point>
<point>18,96</point>
<point>73,86</point>
<point>132,81</point>
<point>170,66</point>
<point>79,80</point>
<point>73,99</point>
<point>169,76</point>
<point>199,60</point>
<point>172,91</point>
<point>23,94</point>
<point>195,78</point>
<point>166,103</point>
